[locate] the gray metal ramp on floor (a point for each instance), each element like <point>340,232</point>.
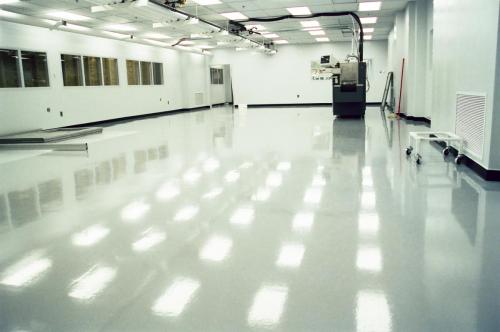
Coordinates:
<point>49,135</point>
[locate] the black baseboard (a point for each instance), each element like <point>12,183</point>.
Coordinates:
<point>114,121</point>
<point>415,118</point>
<point>485,174</point>
<point>299,105</point>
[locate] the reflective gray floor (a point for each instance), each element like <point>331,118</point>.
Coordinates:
<point>267,219</point>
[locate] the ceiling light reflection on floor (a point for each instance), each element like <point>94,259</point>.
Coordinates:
<point>135,210</point>
<point>216,249</point>
<point>313,195</point>
<point>212,193</point>
<point>372,312</point>
<point>368,200</point>
<point>167,192</point>
<point>149,240</point>
<point>232,176</point>
<point>27,271</point>
<point>243,216</point>
<point>368,224</point>
<point>191,176</point>
<point>318,180</point>
<point>186,213</point>
<point>90,236</point>
<point>284,166</point>
<point>262,194</point>
<point>92,283</point>
<point>268,306</point>
<point>369,259</point>
<point>246,164</point>
<point>175,299</point>
<point>274,179</point>
<point>303,221</point>
<point>211,165</point>
<point>291,255</point>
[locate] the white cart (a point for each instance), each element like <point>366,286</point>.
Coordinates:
<point>415,142</point>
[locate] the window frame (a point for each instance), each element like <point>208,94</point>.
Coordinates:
<point>100,67</point>
<point>150,72</point>
<point>139,78</point>
<point>117,71</point>
<point>22,69</point>
<point>81,68</point>
<point>162,76</point>
<point>19,69</point>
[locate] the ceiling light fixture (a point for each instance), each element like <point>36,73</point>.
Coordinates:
<point>68,16</point>
<point>235,16</point>
<point>120,27</point>
<point>281,41</point>
<point>368,20</point>
<point>310,24</point>
<point>323,39</point>
<point>317,33</point>
<point>299,10</point>
<point>369,6</point>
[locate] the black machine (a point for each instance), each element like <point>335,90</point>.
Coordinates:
<point>349,90</point>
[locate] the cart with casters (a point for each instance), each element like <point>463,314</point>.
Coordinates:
<point>415,143</point>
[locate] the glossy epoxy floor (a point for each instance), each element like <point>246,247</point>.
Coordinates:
<point>266,219</point>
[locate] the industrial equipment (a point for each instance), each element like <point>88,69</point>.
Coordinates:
<point>349,90</point>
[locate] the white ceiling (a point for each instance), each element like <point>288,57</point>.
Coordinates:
<point>141,19</point>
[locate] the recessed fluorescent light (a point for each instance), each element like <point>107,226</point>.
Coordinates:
<point>368,30</point>
<point>369,6</point>
<point>235,16</point>
<point>98,9</point>
<point>270,35</point>
<point>120,27</point>
<point>323,39</point>
<point>317,33</point>
<point>115,34</point>
<point>207,2</point>
<point>68,16</point>
<point>5,13</point>
<point>299,11</point>
<point>157,25</point>
<point>281,41</point>
<point>8,2</point>
<point>156,42</point>
<point>368,20</point>
<point>369,37</point>
<point>74,27</point>
<point>310,24</point>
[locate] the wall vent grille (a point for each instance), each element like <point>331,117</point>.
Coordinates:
<point>470,121</point>
<point>199,98</point>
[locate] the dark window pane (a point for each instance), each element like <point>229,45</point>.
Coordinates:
<point>92,68</point>
<point>9,69</point>
<point>35,69</point>
<point>146,73</point>
<point>72,70</point>
<point>110,67</point>
<point>221,76</point>
<point>158,73</point>
<point>133,72</point>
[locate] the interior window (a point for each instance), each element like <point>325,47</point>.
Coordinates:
<point>146,73</point>
<point>133,72</point>
<point>72,70</point>
<point>9,69</point>
<point>110,70</point>
<point>35,69</point>
<point>92,69</point>
<point>158,73</point>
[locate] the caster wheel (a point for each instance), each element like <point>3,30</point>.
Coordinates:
<point>409,150</point>
<point>459,159</point>
<point>418,159</point>
<point>446,151</point>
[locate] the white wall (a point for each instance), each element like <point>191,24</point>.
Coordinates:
<point>25,108</point>
<point>466,59</point>
<point>258,78</point>
<point>410,39</point>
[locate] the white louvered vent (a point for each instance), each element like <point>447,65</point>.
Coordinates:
<point>470,121</point>
<point>199,98</point>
